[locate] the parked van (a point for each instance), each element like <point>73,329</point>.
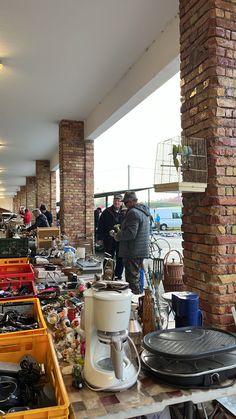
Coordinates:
<point>170,217</point>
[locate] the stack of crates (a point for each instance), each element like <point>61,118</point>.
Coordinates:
<point>14,248</point>
<point>15,271</point>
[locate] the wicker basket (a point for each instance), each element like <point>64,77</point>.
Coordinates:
<point>173,273</point>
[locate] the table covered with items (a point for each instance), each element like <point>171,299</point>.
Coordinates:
<point>68,329</point>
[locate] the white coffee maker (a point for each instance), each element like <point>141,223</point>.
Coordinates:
<point>108,365</point>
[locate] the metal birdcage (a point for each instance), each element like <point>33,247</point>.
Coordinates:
<point>181,165</point>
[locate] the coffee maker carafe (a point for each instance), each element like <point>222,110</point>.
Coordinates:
<point>108,364</point>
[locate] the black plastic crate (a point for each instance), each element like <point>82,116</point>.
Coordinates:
<point>14,248</point>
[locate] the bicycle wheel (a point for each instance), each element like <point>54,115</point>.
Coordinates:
<point>154,250</point>
<point>157,246</point>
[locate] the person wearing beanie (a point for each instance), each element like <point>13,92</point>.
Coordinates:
<point>110,217</point>
<point>48,214</point>
<point>134,239</point>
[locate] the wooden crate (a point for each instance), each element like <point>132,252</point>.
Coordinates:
<point>45,235</point>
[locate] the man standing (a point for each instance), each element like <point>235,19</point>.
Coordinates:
<point>134,239</point>
<point>158,222</point>
<point>47,214</point>
<point>97,215</point>
<point>110,217</point>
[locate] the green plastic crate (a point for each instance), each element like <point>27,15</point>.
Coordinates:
<point>14,248</point>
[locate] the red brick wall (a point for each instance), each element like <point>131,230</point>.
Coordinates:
<point>43,183</point>
<point>31,192</point>
<point>23,195</point>
<point>15,204</point>
<point>208,88</point>
<point>53,196</point>
<point>76,160</point>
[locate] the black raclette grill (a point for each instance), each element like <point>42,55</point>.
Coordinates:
<point>190,356</point>
<point>189,342</point>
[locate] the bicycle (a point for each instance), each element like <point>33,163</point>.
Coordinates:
<point>155,248</point>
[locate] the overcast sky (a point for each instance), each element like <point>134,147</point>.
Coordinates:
<point>133,141</point>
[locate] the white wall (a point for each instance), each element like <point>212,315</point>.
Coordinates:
<point>6,203</point>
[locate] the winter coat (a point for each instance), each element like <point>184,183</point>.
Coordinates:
<point>134,235</point>
<point>41,221</point>
<point>48,214</point>
<point>27,217</point>
<point>107,220</point>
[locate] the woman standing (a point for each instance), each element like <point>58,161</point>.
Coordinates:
<point>27,218</point>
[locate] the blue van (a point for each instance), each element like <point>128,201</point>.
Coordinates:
<point>169,217</point>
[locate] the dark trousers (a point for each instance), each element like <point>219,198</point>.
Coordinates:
<point>113,249</point>
<point>132,274</point>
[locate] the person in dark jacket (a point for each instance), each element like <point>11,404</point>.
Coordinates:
<point>47,213</point>
<point>97,215</point>
<point>40,220</point>
<point>110,217</point>
<point>134,239</point>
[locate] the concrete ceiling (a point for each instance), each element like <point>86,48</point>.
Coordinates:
<point>62,59</point>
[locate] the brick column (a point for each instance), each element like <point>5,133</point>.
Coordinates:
<point>53,196</point>
<point>15,204</point>
<point>23,196</point>
<point>31,192</point>
<point>43,183</point>
<point>76,160</point>
<point>208,87</point>
<point>19,199</point>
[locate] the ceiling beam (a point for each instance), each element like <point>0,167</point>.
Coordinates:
<point>157,65</point>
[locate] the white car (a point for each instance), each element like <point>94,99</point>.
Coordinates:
<point>8,215</point>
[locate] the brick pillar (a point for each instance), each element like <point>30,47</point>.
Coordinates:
<point>23,196</point>
<point>15,204</point>
<point>208,87</point>
<point>76,161</point>
<point>53,196</point>
<point>19,199</point>
<point>43,183</point>
<point>31,192</point>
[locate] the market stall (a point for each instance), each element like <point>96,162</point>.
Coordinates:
<point>81,334</point>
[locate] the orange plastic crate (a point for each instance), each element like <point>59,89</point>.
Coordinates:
<point>19,271</point>
<point>41,348</point>
<point>13,261</point>
<point>24,306</point>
